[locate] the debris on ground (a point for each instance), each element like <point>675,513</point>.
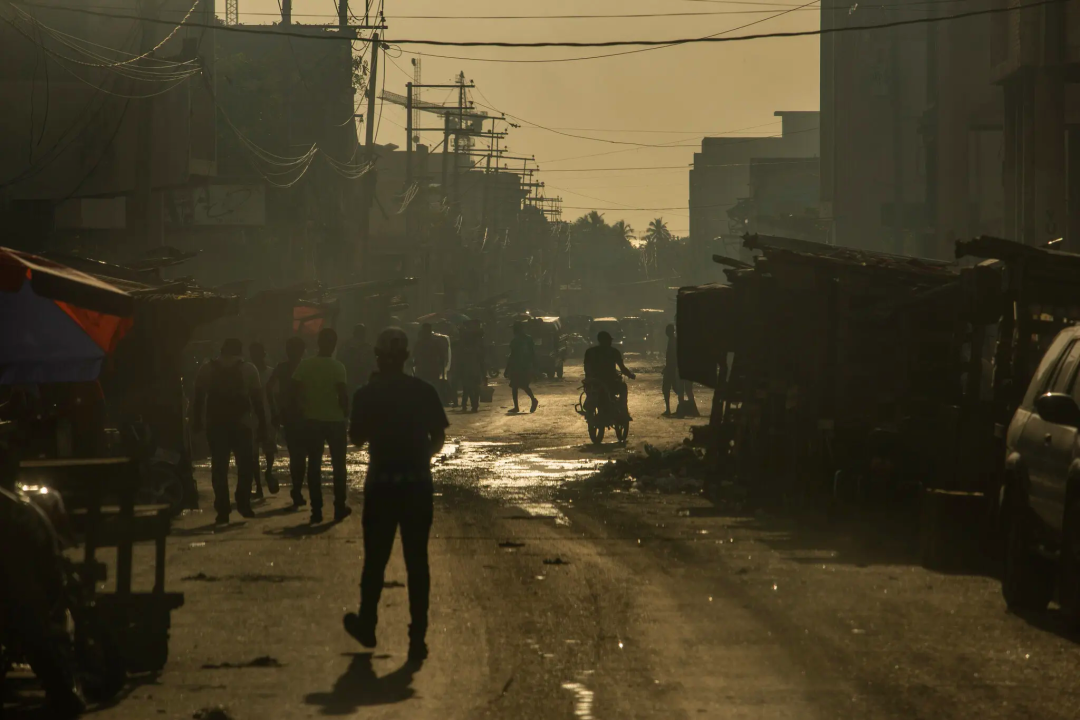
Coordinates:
<point>511,544</point>
<point>218,712</point>
<point>203,577</point>
<point>555,561</point>
<point>677,470</point>
<point>263,661</point>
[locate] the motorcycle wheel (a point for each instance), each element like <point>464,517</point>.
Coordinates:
<point>596,426</point>
<point>622,429</point>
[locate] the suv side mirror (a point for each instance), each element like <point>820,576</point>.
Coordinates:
<point>1059,409</point>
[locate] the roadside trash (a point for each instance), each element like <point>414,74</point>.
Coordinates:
<point>199,576</point>
<point>555,561</point>
<point>511,544</point>
<point>676,470</point>
<point>218,712</point>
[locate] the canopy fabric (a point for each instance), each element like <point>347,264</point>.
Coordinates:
<point>45,342</point>
<point>56,324</point>
<point>58,282</point>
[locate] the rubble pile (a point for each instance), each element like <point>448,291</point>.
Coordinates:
<point>676,470</point>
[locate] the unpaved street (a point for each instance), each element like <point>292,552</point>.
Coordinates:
<point>558,597</point>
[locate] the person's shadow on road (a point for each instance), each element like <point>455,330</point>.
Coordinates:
<point>359,686</point>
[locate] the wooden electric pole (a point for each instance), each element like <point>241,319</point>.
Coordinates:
<point>370,177</point>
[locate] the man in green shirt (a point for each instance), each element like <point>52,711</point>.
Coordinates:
<point>320,385</point>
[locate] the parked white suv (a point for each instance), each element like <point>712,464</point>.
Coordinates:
<point>1041,494</point>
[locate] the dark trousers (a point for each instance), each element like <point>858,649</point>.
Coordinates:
<point>297,445</point>
<point>388,505</point>
<point>672,384</point>
<point>321,433</point>
<point>231,439</point>
<point>470,391</point>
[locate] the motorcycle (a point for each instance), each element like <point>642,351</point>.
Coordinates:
<point>602,411</point>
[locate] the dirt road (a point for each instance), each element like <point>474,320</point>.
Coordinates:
<point>555,597</point>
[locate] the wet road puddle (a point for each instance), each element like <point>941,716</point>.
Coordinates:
<point>528,480</point>
<point>583,700</point>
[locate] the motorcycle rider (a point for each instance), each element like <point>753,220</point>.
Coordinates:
<point>603,363</point>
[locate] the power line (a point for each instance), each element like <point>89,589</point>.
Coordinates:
<point>662,132</point>
<point>772,5</point>
<point>647,43</point>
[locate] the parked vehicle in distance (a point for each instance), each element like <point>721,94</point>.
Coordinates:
<point>609,324</point>
<point>576,324</point>
<point>551,351</point>
<point>1040,496</point>
<point>637,335</point>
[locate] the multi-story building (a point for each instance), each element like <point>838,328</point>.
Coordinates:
<point>720,177</point>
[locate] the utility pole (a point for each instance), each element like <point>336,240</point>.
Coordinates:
<point>370,178</point>
<point>286,12</point>
<point>446,151</point>
<point>408,134</point>
<point>145,216</point>
<point>343,15</point>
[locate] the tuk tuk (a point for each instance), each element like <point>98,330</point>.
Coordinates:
<point>608,324</point>
<point>546,333</point>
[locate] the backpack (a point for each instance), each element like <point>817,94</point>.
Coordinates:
<point>227,400</point>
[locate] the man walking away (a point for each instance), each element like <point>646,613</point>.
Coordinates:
<point>285,413</point>
<point>358,357</point>
<point>519,366</point>
<point>402,419</point>
<point>672,382</point>
<point>268,446</point>
<point>229,391</point>
<point>470,364</point>
<point>319,382</point>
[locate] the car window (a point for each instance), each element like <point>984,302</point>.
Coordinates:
<point>1048,363</point>
<point>1061,378</point>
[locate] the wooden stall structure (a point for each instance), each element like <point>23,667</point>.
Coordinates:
<point>823,370</point>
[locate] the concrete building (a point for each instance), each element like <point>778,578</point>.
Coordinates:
<point>950,129</point>
<point>90,140</point>
<point>873,97</point>
<point>1035,59</point>
<point>720,177</point>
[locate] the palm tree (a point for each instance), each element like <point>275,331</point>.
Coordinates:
<point>657,232</point>
<point>592,221</point>
<point>622,230</point>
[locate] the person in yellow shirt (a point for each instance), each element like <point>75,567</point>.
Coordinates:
<point>322,395</point>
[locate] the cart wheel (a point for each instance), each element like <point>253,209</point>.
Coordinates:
<point>596,433</point>
<point>622,429</point>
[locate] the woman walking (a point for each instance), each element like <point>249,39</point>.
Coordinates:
<point>519,366</point>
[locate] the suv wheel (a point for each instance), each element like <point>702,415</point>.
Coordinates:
<point>1028,579</point>
<point>1069,581</point>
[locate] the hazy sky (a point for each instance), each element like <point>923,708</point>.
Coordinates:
<point>668,96</point>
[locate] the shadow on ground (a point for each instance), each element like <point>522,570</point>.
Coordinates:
<point>359,686</point>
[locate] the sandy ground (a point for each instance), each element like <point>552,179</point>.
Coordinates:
<point>557,597</point>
